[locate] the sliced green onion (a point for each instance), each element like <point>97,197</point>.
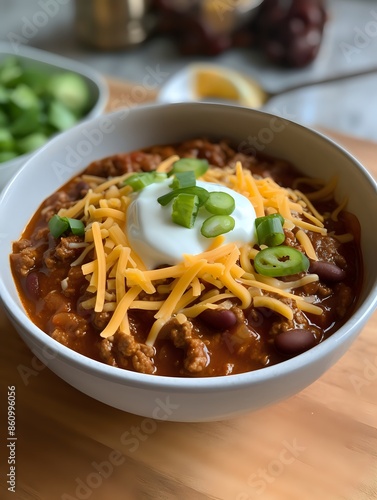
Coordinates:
<point>60,225</point>
<point>185,209</point>
<point>76,226</point>
<point>258,220</point>
<point>141,180</point>
<point>280,261</point>
<point>183,180</point>
<point>216,225</point>
<point>201,193</point>
<point>270,230</point>
<point>196,165</point>
<point>220,203</point>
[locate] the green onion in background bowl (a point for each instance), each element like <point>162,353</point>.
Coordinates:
<point>41,95</point>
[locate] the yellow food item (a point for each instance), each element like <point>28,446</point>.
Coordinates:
<point>224,83</point>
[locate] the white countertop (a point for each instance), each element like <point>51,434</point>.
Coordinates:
<point>349,45</point>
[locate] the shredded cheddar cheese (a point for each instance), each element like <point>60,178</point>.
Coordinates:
<point>224,272</point>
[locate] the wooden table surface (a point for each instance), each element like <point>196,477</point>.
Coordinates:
<point>319,444</point>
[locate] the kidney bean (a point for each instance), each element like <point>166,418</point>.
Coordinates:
<point>32,285</point>
<point>218,319</point>
<point>327,271</point>
<point>296,341</point>
<point>80,189</point>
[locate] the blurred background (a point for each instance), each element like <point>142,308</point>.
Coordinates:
<point>280,44</point>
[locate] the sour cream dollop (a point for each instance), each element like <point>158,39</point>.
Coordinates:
<point>159,241</point>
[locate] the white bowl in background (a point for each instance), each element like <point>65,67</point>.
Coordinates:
<point>171,398</point>
<point>49,62</point>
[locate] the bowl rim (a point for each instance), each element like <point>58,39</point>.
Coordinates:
<point>196,384</point>
<point>63,63</point>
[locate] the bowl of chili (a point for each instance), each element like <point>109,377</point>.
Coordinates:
<point>227,327</point>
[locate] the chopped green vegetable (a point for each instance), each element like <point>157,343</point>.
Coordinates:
<point>196,165</point>
<point>77,226</point>
<point>60,225</point>
<point>185,209</point>
<point>216,225</point>
<point>10,71</point>
<point>23,98</point>
<point>143,179</point>
<point>280,261</point>
<point>6,140</point>
<point>183,180</point>
<point>60,116</point>
<point>7,155</point>
<point>31,142</point>
<point>270,230</point>
<point>71,90</point>
<point>201,193</point>
<point>220,203</point>
<point>3,118</point>
<point>26,123</point>
<point>37,103</point>
<point>259,220</point>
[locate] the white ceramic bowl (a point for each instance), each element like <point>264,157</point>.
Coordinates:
<point>46,61</point>
<point>185,399</point>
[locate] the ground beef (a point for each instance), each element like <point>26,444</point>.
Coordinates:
<point>344,298</point>
<point>73,282</point>
<point>196,352</point>
<point>71,323</point>
<point>123,163</point>
<point>56,302</point>
<point>106,352</point>
<point>127,345</point>
<point>25,257</point>
<point>100,319</point>
<point>62,337</point>
<point>64,250</point>
<point>68,328</point>
<point>326,248</point>
<point>142,360</point>
<point>283,324</point>
<point>126,350</point>
<point>54,203</point>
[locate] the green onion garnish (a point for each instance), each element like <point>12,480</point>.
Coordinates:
<point>270,230</point>
<point>201,193</point>
<point>280,261</point>
<point>60,225</point>
<point>196,165</point>
<point>141,180</point>
<point>185,209</point>
<point>183,180</point>
<point>220,203</point>
<point>216,225</point>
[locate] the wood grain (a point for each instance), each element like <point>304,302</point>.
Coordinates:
<point>319,444</point>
